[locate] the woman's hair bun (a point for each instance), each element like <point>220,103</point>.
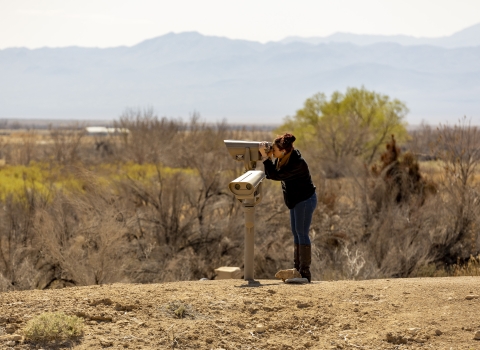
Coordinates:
<point>285,141</point>
<point>288,138</point>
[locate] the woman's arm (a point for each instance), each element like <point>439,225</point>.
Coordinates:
<point>291,171</point>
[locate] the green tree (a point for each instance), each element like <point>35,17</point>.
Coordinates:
<point>354,124</point>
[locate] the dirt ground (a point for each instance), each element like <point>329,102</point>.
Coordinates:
<point>427,313</point>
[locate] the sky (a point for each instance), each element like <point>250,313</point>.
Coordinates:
<point>110,23</point>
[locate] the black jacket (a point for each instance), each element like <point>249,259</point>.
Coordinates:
<point>297,183</point>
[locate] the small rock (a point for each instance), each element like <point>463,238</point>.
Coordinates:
<point>101,318</point>
<point>303,305</point>
<point>120,307</point>
<point>105,301</point>
<point>396,339</point>
<point>477,336</point>
<point>438,332</point>
<point>106,343</point>
<point>471,296</point>
<point>139,322</point>
<point>413,331</point>
<point>288,274</point>
<point>10,328</point>
<point>203,279</point>
<point>16,337</point>
<point>260,328</point>
<point>10,343</point>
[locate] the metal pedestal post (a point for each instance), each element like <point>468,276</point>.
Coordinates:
<point>249,210</point>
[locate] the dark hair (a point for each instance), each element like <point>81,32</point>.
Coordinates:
<point>285,142</point>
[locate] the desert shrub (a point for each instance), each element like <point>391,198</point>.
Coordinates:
<point>53,326</point>
<point>66,143</point>
<point>126,221</point>
<point>150,139</point>
<point>459,149</point>
<point>400,179</point>
<point>167,215</point>
<point>28,150</point>
<point>179,309</point>
<point>378,223</point>
<point>423,142</point>
<point>469,268</point>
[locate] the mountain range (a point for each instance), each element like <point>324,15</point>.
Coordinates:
<point>243,82</point>
<point>467,37</point>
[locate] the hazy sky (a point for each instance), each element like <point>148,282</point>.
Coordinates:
<point>106,23</point>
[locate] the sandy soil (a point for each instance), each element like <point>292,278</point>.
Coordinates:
<point>427,313</point>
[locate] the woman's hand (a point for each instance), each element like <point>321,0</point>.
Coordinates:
<point>262,147</point>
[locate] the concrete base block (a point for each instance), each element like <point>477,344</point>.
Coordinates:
<point>228,272</point>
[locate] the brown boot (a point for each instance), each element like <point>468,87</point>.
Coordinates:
<point>305,252</point>
<point>296,257</point>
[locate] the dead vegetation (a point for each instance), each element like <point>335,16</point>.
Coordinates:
<point>179,222</point>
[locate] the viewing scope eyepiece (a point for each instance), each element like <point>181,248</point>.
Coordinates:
<point>246,151</point>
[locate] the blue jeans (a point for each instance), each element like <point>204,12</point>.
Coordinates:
<point>301,218</point>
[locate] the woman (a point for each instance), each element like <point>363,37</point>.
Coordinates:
<point>298,193</point>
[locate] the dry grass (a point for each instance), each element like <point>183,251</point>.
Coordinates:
<point>53,326</point>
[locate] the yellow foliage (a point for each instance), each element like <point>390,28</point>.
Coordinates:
<point>45,180</point>
<point>355,123</point>
<point>18,180</point>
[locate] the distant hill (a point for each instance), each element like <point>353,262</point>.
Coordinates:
<point>241,81</point>
<point>464,38</point>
